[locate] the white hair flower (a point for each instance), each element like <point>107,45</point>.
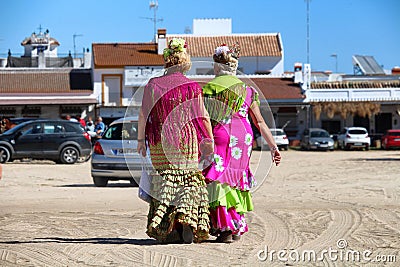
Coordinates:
<point>221,49</point>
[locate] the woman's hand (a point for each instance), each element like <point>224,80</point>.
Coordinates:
<point>207,147</point>
<point>141,148</point>
<point>276,156</point>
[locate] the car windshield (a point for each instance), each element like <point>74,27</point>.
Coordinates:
<point>358,131</point>
<point>127,130</point>
<point>319,134</point>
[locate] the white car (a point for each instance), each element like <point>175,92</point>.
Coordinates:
<point>280,137</point>
<point>354,137</point>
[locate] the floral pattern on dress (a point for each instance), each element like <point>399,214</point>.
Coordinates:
<point>233,141</point>
<point>219,161</point>
<point>243,110</point>
<point>249,149</point>
<point>226,120</point>
<point>236,153</point>
<point>248,139</point>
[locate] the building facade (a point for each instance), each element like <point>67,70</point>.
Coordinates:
<point>41,84</point>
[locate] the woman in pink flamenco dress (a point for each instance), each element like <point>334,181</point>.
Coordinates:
<point>230,102</point>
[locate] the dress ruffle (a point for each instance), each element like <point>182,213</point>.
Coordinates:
<point>224,195</point>
<point>180,196</point>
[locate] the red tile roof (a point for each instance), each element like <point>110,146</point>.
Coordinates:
<point>251,45</point>
<point>271,88</point>
<point>356,84</point>
<point>60,81</point>
<point>279,88</point>
<point>119,55</point>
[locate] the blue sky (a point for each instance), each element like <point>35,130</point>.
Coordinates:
<point>342,27</point>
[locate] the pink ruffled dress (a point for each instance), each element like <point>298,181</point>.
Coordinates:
<point>229,175</point>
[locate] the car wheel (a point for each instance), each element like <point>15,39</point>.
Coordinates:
<point>100,181</point>
<point>5,154</point>
<point>366,147</point>
<point>69,155</point>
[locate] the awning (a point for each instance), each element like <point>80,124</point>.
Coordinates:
<point>47,100</point>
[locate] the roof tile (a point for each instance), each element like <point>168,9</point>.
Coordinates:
<point>251,45</point>
<point>110,55</point>
<point>45,81</point>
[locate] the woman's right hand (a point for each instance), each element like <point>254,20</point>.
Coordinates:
<point>207,147</point>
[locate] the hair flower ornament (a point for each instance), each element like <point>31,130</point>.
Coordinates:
<point>175,45</point>
<point>233,50</point>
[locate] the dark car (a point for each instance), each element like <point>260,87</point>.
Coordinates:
<point>59,140</point>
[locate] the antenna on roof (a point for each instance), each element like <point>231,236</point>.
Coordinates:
<point>154,5</point>
<point>74,37</point>
<point>308,31</point>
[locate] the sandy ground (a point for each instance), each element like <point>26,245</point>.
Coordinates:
<point>337,208</point>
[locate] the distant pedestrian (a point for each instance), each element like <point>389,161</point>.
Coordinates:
<point>80,120</point>
<point>99,127</point>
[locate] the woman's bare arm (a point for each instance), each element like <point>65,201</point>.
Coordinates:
<point>259,122</point>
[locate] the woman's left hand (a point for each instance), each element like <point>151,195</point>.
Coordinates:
<point>276,156</point>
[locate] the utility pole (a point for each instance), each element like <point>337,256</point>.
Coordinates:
<point>74,37</point>
<point>308,31</point>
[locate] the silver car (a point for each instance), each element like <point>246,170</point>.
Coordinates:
<point>317,139</point>
<point>115,155</point>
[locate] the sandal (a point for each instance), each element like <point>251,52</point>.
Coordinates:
<point>236,237</point>
<point>187,234</point>
<point>225,237</point>
<point>173,238</point>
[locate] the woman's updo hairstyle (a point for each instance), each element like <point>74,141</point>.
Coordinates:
<point>175,54</point>
<point>227,57</point>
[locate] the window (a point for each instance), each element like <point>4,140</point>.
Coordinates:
<point>32,129</point>
<point>121,131</point>
<point>357,132</point>
<point>51,128</point>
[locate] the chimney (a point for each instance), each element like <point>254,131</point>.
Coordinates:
<point>161,40</point>
<point>298,74</point>
<point>87,59</point>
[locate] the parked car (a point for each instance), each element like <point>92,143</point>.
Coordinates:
<point>280,138</point>
<point>391,139</point>
<point>59,140</point>
<point>317,139</point>
<point>115,155</point>
<point>354,137</point>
